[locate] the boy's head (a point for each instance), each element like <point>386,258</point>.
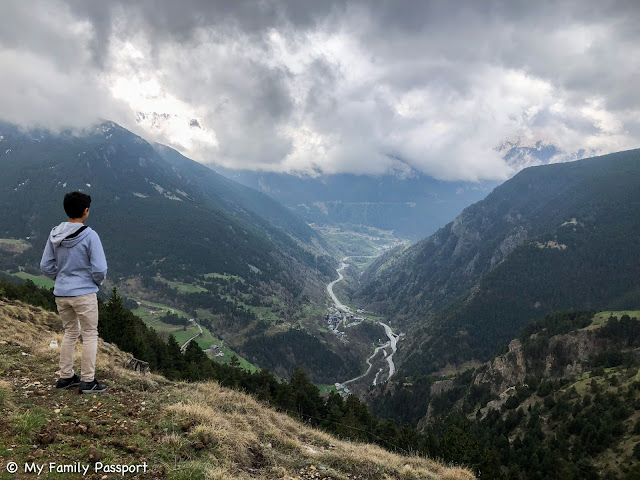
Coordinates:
<point>76,205</point>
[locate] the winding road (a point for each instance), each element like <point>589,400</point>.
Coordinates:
<point>375,352</point>
<point>393,338</point>
<point>186,344</point>
<point>337,303</point>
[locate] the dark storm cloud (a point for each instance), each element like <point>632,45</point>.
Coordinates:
<point>168,20</point>
<point>359,86</point>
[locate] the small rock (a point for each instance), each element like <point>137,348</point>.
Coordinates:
<point>93,455</point>
<point>45,438</point>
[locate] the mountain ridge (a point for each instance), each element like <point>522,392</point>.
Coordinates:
<point>569,217</point>
<point>164,218</point>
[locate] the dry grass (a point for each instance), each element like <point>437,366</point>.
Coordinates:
<point>35,328</point>
<point>239,433</point>
<point>207,431</point>
<point>5,394</point>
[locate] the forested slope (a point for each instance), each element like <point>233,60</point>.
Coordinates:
<point>553,237</point>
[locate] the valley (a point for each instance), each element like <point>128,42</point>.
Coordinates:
<point>410,205</point>
<point>249,271</point>
<point>464,335</point>
<point>344,316</point>
<point>269,316</point>
<point>405,226</point>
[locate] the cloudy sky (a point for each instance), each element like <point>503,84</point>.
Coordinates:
<point>332,86</point>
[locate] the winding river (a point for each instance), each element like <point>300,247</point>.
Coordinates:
<point>393,338</point>
<point>339,306</point>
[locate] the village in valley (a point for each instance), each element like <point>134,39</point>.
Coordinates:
<point>335,317</point>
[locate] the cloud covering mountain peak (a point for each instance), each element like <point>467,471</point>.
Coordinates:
<point>332,87</point>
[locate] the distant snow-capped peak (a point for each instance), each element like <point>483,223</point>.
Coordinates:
<point>521,152</point>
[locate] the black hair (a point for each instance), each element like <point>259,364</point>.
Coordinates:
<point>75,204</point>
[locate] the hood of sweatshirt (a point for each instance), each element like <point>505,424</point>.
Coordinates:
<point>60,232</point>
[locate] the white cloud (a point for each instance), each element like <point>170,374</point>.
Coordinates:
<point>331,87</point>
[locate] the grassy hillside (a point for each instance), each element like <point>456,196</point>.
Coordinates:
<point>182,431</point>
<point>183,333</point>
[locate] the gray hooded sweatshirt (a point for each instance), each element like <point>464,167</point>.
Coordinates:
<point>77,264</point>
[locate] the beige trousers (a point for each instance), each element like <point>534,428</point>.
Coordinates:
<point>79,316</point>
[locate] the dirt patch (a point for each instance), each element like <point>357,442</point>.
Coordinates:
<point>14,246</point>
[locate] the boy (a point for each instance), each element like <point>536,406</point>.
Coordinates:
<point>74,258</point>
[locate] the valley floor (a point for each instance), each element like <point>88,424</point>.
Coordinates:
<point>381,366</point>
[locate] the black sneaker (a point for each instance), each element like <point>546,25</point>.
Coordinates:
<point>91,387</point>
<point>68,382</point>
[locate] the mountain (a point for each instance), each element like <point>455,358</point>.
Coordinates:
<point>553,237</point>
<point>178,236</point>
<point>412,205</point>
<point>243,201</point>
<point>520,153</point>
<point>142,191</point>
<point>560,401</point>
